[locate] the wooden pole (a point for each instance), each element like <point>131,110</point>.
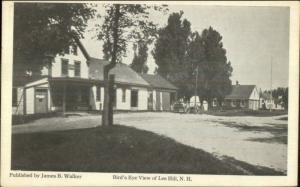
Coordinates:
<point>271,98</point>
<point>196,91</point>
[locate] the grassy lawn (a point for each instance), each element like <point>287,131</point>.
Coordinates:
<point>119,149</point>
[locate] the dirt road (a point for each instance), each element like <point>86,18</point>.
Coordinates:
<point>256,140</point>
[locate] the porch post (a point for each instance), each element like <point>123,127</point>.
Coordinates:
<point>64,100</point>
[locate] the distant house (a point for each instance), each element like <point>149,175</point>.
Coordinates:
<point>162,93</point>
<point>243,96</point>
<point>74,81</point>
<point>267,102</point>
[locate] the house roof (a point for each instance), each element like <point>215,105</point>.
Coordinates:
<point>157,81</point>
<point>82,48</point>
<point>240,92</point>
<point>123,73</point>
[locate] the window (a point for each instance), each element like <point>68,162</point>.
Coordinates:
<point>123,95</point>
<point>67,50</point>
<point>15,97</point>
<point>77,69</point>
<point>98,93</point>
<point>114,98</point>
<point>64,67</point>
<point>74,50</point>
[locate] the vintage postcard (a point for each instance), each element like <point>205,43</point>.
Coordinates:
<point>134,93</point>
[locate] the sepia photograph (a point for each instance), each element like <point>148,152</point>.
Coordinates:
<point>151,92</point>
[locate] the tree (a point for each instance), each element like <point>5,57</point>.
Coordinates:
<point>140,57</point>
<point>122,23</point>
<point>279,95</point>
<point>170,51</point>
<point>215,68</point>
<point>195,58</point>
<point>42,30</point>
<point>285,98</point>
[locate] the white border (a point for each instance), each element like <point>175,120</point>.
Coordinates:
<point>105,179</point>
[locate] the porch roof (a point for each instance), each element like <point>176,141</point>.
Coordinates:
<point>72,80</point>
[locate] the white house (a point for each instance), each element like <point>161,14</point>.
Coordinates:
<point>74,81</point>
<point>243,96</point>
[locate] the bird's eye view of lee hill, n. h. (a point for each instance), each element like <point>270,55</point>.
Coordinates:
<point>150,88</point>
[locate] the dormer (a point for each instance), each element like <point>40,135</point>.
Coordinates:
<point>72,63</point>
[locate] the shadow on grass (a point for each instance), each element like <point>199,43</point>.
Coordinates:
<point>278,131</point>
<point>116,149</point>
<point>259,170</point>
<point>22,119</point>
<point>274,139</point>
<point>283,118</point>
<point>243,112</point>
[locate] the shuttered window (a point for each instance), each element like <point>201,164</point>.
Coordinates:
<point>123,95</point>
<point>64,67</point>
<point>67,50</point>
<point>74,50</point>
<point>77,68</point>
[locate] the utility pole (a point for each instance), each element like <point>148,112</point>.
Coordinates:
<point>196,89</point>
<point>271,97</point>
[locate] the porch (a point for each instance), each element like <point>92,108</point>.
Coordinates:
<point>70,94</point>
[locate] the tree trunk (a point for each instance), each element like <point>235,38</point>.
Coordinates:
<point>107,114</point>
<point>111,99</point>
<point>105,118</point>
<point>209,102</point>
<point>64,101</point>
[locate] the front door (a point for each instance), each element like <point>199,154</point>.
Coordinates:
<point>134,98</point>
<point>165,101</point>
<point>41,100</point>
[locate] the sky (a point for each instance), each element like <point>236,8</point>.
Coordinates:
<point>255,39</point>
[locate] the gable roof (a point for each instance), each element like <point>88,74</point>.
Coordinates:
<point>240,92</point>
<point>82,48</point>
<point>123,73</point>
<point>157,81</point>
